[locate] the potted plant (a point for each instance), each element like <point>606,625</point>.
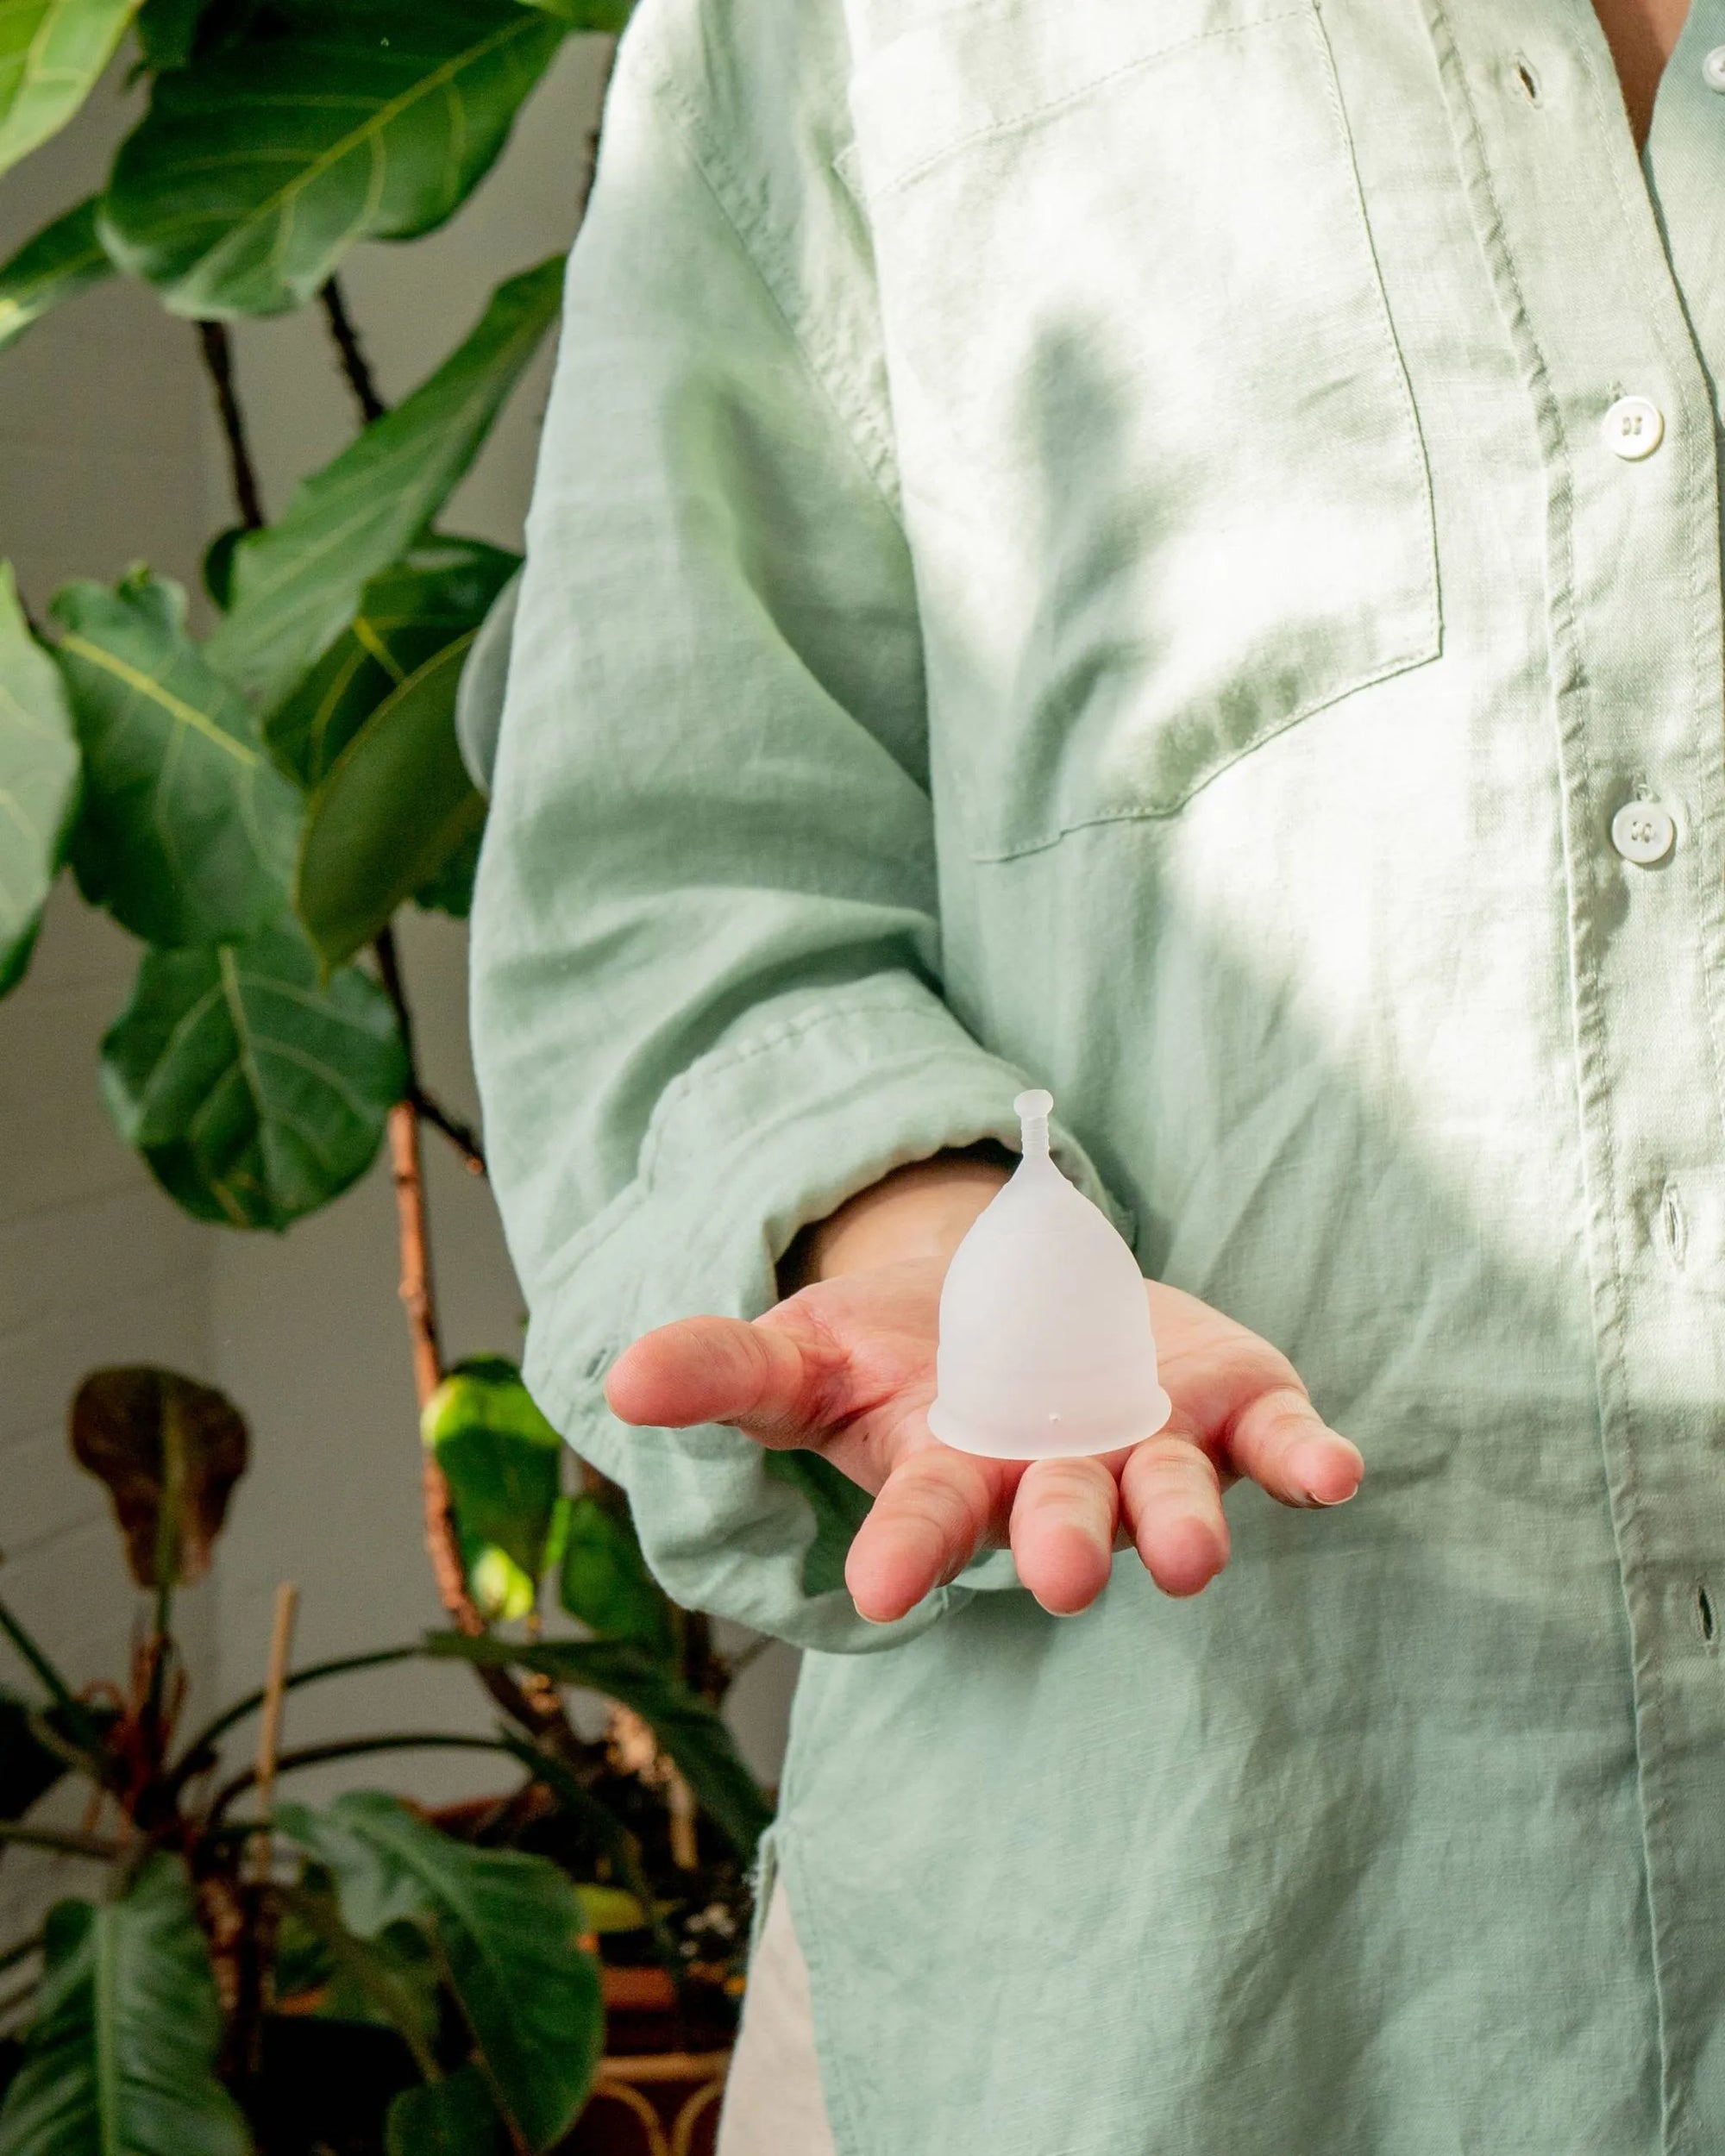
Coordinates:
<point>252,1972</point>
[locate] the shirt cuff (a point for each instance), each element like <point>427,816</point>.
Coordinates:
<point>764,1134</point>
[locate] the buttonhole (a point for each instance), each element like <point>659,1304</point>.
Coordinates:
<point>1675,1223</point>
<point>1705,1616</point>
<point>1528,80</point>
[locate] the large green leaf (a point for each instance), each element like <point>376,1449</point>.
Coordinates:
<point>298,584</point>
<point>389,1981</point>
<point>257,167</point>
<point>255,1092</point>
<point>509,1929</point>
<point>395,809</point>
<point>603,1578</point>
<point>119,2059</point>
<point>406,616</point>
<point>187,829</point>
<point>690,1731</point>
<point>170,1450</point>
<point>504,1460</point>
<point>38,781</point>
<point>64,258</point>
<point>454,2116</point>
<point>52,55</point>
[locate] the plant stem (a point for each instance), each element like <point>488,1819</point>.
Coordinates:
<point>218,362</point>
<point>83,1724</point>
<point>311,1675</point>
<point>61,1841</point>
<point>535,1706</point>
<point>461,1135</point>
<point>354,366</point>
<point>350,1748</point>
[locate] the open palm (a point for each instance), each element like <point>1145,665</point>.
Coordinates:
<point>845,1368</point>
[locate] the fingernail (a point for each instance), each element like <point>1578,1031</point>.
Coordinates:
<point>1318,1471</point>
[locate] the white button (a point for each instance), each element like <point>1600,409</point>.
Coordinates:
<point>1643,832</point>
<point>1633,427</point>
<point>1712,68</point>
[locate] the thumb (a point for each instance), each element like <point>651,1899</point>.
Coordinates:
<point>775,1381</point>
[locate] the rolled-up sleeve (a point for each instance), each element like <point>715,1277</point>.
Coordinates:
<point>707,1000</point>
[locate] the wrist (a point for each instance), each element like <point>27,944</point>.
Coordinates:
<point>922,1210</point>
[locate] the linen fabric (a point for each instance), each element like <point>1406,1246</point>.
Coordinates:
<point>1079,544</point>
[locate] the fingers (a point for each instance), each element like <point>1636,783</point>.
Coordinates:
<point>774,1381</point>
<point>1171,1499</point>
<point>1281,1442</point>
<point>1063,1531</point>
<point>924,1528</point>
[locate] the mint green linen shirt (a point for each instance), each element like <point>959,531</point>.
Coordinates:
<point>1079,540</point>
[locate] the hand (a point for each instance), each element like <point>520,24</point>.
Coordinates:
<point>845,1367</point>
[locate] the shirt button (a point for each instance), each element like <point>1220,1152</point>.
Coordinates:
<point>1643,832</point>
<point>1633,427</point>
<point>1712,68</point>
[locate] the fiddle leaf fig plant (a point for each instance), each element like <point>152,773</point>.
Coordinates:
<point>256,782</point>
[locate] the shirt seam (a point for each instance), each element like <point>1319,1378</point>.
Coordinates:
<point>997,130</point>
<point>868,442</point>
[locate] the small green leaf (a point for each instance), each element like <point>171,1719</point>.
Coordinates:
<point>52,55</point>
<point>604,1581</point>
<point>502,1591</point>
<point>406,616</point>
<point>504,1460</point>
<point>39,765</point>
<point>508,1928</point>
<point>452,2117</point>
<point>217,566</point>
<point>257,167</point>
<point>255,1092</point>
<point>120,2059</point>
<point>451,890</point>
<point>65,259</point>
<point>298,584</point>
<point>187,828</point>
<point>395,810</point>
<point>700,1746</point>
<point>170,1450</point>
<point>608,1909</point>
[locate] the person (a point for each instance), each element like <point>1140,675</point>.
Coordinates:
<point>1169,550</point>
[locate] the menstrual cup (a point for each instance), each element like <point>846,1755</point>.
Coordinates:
<point>1046,1346</point>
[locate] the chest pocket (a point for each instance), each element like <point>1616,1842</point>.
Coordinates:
<point>1161,467</point>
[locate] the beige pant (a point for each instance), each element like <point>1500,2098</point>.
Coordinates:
<point>773,2104</point>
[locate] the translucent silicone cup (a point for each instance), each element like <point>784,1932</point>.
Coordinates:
<point>1046,1350</point>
